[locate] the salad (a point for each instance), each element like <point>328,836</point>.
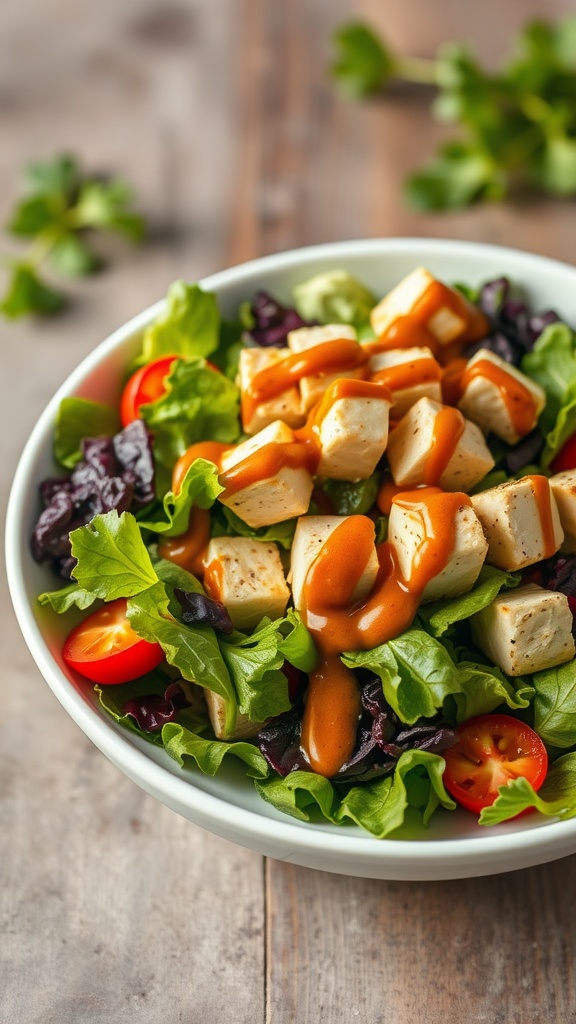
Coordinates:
<point>335,542</point>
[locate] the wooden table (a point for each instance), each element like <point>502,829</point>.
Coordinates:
<point>113,909</point>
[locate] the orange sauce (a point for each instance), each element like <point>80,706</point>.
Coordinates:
<point>412,329</point>
<point>389,491</point>
<point>449,426</point>
<point>424,370</point>
<point>543,496</point>
<point>338,356</point>
<point>265,462</point>
<point>452,381</point>
<point>519,400</point>
<point>188,549</point>
<point>330,721</point>
<point>214,579</point>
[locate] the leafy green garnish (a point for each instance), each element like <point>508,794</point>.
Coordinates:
<point>182,744</point>
<point>72,596</point>
<point>518,124</point>
<point>76,419</point>
<point>227,524</point>
<point>352,499</point>
<point>60,207</point>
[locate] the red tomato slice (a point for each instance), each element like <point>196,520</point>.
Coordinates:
<point>105,648</point>
<point>566,457</point>
<point>490,751</point>
<point>146,385</point>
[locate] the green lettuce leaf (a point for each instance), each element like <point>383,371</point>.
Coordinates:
<point>199,487</point>
<point>193,650</point>
<point>439,616</point>
<point>555,704</point>
<point>299,794</point>
<point>416,670</point>
<point>188,327</point>
<point>72,596</point>
<point>199,405</point>
<point>381,805</point>
<point>208,754</point>
<point>334,297</point>
<point>556,798</point>
<point>112,559</point>
<point>552,364</point>
<point>484,688</point>
<point>76,419</point>
<point>352,499</point>
<point>114,698</point>
<point>255,662</point>
<point>563,428</point>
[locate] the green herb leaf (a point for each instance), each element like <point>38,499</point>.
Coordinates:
<point>28,294</point>
<point>72,256</point>
<point>364,64</point>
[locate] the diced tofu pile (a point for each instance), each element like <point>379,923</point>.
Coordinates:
<point>511,526</point>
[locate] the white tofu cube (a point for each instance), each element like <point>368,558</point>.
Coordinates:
<point>563,486</point>
<point>271,497</point>
<point>313,387</point>
<point>247,577</point>
<point>311,534</point>
<point>410,374</point>
<point>447,321</point>
<point>285,407</point>
<point>353,435</point>
<point>525,630</point>
<point>514,518</point>
<point>243,729</point>
<point>484,400</point>
<point>412,443</point>
<point>409,528</point>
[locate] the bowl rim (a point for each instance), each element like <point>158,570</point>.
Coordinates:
<point>207,809</point>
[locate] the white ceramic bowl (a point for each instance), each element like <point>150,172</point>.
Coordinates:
<point>454,846</point>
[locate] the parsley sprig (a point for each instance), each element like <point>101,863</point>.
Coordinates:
<point>60,209</point>
<point>518,125</point>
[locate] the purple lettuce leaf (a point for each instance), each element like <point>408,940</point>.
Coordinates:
<point>152,712</point>
<point>272,321</point>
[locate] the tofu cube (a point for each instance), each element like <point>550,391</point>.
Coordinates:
<point>243,729</point>
<point>311,534</point>
<point>273,498</point>
<point>484,402</point>
<point>515,524</point>
<point>563,486</point>
<point>247,577</point>
<point>400,365</point>
<point>409,528</point>
<point>525,630</point>
<point>353,436</point>
<point>411,444</point>
<point>285,407</point>
<point>312,388</point>
<point>447,322</point>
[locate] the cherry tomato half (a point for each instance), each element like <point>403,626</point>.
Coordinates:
<point>566,457</point>
<point>490,751</point>
<point>105,648</point>
<point>145,385</point>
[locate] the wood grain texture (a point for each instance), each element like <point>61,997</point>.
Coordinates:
<point>112,909</point>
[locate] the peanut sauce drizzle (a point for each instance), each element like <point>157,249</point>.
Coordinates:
<point>543,496</point>
<point>449,425</point>
<point>331,713</point>
<point>410,374</point>
<point>411,329</point>
<point>519,400</point>
<point>336,356</point>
